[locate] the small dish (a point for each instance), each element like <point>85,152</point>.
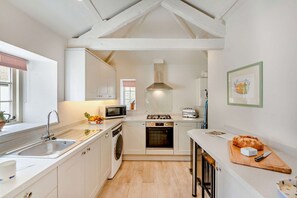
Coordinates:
<point>288,188</point>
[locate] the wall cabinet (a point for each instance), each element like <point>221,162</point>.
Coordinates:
<point>105,156</point>
<point>201,85</point>
<point>88,77</point>
<point>134,138</point>
<point>46,187</point>
<point>78,176</point>
<point>181,138</point>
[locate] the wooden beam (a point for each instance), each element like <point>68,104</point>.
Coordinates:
<point>147,44</point>
<point>127,16</point>
<point>130,30</point>
<point>182,24</point>
<point>195,17</point>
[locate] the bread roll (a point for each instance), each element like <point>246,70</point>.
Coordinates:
<point>248,141</point>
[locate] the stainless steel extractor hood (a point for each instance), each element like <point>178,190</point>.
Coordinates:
<point>158,78</point>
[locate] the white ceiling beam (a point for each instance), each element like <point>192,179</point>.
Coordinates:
<point>133,44</point>
<point>127,16</point>
<point>194,16</point>
<point>182,24</point>
<point>131,29</point>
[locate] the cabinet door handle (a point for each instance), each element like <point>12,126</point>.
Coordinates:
<point>88,149</point>
<point>28,195</point>
<point>83,153</point>
<point>106,135</point>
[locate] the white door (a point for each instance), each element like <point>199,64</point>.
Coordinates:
<point>71,177</point>
<point>181,138</point>
<point>134,138</point>
<point>92,77</point>
<point>91,170</point>
<point>111,83</point>
<point>105,161</point>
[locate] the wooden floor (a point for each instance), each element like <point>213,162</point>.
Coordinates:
<point>152,179</point>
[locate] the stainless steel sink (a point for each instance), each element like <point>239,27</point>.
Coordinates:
<point>47,149</point>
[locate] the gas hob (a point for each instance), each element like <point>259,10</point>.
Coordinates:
<point>158,117</point>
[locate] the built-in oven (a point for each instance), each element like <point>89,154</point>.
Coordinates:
<point>113,111</point>
<point>159,135</point>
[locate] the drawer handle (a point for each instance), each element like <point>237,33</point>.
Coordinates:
<point>28,195</point>
<point>83,153</point>
<point>88,149</point>
<point>106,135</point>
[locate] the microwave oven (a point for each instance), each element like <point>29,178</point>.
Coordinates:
<point>113,111</point>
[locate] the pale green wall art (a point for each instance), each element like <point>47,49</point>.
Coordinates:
<point>245,86</point>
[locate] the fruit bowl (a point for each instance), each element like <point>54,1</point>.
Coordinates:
<point>95,122</point>
<point>96,119</point>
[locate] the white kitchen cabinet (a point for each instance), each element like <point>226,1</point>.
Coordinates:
<point>201,85</point>
<point>91,169</point>
<point>105,156</point>
<point>78,176</point>
<point>134,137</point>
<point>46,187</point>
<point>88,77</point>
<point>181,138</point>
<point>227,186</point>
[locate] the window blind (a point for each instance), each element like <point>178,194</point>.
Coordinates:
<point>13,61</point>
<point>129,83</point>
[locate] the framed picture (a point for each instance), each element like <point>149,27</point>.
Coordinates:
<point>245,86</point>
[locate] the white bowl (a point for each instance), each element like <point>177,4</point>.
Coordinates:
<point>288,188</point>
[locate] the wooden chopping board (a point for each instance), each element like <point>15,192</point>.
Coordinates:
<point>271,162</point>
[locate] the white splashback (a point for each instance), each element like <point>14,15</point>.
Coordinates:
<point>158,102</point>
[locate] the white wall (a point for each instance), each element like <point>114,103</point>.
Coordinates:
<point>182,68</point>
<point>18,29</point>
<point>259,31</point>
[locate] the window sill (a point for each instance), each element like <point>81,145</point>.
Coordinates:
<point>19,127</point>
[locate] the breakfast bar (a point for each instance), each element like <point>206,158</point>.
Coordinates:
<point>233,179</point>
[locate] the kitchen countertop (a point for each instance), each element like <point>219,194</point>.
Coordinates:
<point>261,183</point>
<point>175,118</point>
<point>30,170</point>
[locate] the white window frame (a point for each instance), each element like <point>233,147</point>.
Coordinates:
<point>14,95</point>
<point>122,93</point>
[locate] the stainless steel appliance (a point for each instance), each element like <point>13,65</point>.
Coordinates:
<point>113,111</point>
<point>189,113</point>
<point>159,135</point>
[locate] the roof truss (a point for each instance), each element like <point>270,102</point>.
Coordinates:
<point>127,16</point>
<point>147,44</point>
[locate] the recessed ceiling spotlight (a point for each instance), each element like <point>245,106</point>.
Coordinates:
<point>79,0</point>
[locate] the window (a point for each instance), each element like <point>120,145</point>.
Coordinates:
<point>8,95</point>
<point>128,93</point>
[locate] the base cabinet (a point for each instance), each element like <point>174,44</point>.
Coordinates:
<point>46,187</point>
<point>181,138</point>
<point>134,138</point>
<point>227,187</point>
<point>78,176</point>
<point>105,156</point>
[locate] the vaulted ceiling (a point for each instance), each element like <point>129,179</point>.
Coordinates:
<point>74,18</point>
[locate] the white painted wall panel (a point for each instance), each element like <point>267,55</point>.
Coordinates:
<point>259,31</point>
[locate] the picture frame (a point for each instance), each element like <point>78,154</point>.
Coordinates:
<point>245,86</point>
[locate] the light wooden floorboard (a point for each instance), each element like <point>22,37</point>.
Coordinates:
<point>150,179</point>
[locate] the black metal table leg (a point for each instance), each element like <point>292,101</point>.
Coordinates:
<point>194,169</point>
